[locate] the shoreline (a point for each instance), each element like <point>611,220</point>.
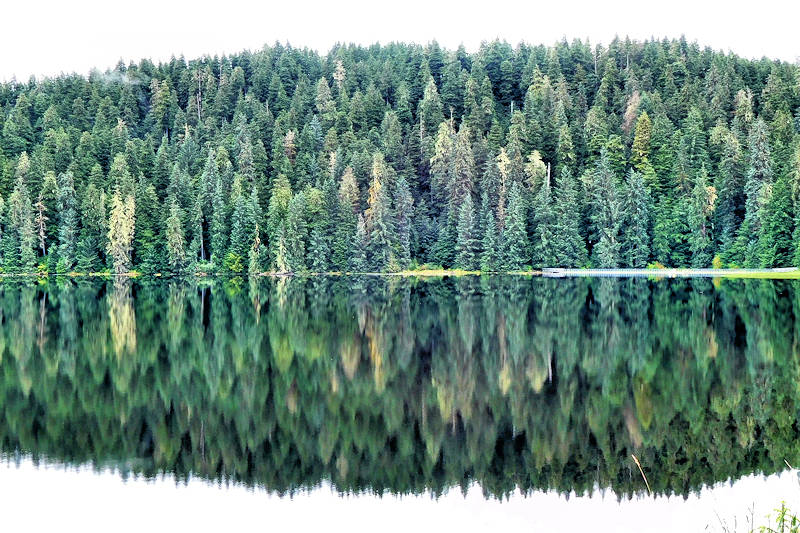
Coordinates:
<point>734,273</point>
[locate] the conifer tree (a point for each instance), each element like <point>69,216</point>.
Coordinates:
<point>757,191</point>
<point>635,236</point>
<point>295,233</point>
<point>380,228</point>
<point>544,252</point>
<point>121,225</point>
<point>467,237</point>
<point>67,223</point>
<point>570,249</point>
<point>606,215</point>
<point>515,238</point>
<point>489,260</point>
<point>94,230</point>
<point>219,230</point>
<point>702,206</point>
<point>404,209</point>
<point>358,261</point>
<point>176,249</point>
<point>276,212</point>
<point>19,241</point>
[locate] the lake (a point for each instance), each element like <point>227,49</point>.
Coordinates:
<point>342,403</point>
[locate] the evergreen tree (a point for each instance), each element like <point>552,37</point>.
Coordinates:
<point>757,191</point>
<point>380,228</point>
<point>219,229</point>
<point>700,223</point>
<point>467,237</point>
<point>490,257</point>
<point>606,215</point>
<point>569,247</point>
<point>544,252</point>
<point>176,249</point>
<point>358,261</point>
<point>121,224</point>
<point>19,242</point>
<point>515,238</point>
<point>635,236</point>
<point>404,209</point>
<point>295,233</point>
<point>67,223</point>
<point>94,230</point>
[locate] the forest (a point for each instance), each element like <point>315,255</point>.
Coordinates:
<point>406,386</point>
<point>402,156</point>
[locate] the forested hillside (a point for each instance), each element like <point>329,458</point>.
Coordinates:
<point>384,158</point>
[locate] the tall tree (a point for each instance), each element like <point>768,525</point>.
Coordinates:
<point>121,225</point>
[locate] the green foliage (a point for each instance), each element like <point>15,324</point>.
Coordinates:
<point>232,140</point>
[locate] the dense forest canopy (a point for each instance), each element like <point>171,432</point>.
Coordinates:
<point>388,157</point>
<point>407,386</point>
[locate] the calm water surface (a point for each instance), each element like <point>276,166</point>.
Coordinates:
<point>487,401</point>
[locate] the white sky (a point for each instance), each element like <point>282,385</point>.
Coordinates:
<point>47,37</point>
<point>52,498</point>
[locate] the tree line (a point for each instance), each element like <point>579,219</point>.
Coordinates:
<point>385,158</point>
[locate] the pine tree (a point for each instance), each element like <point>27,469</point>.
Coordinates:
<point>94,230</point>
<point>67,223</point>
<point>404,210</point>
<point>570,249</point>
<point>606,215</point>
<point>176,250</point>
<point>544,253</point>
<point>489,260</point>
<point>776,245</point>
<point>318,250</point>
<point>295,233</point>
<point>219,230</point>
<point>19,252</point>
<point>515,238</point>
<point>241,221</point>
<point>121,225</point>
<point>380,228</point>
<point>702,204</point>
<point>276,213</point>
<point>635,235</point>
<point>467,237</point>
<point>358,261</point>
<point>757,190</point>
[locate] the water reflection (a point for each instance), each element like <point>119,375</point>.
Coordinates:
<point>406,386</point>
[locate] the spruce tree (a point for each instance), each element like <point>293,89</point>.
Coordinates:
<point>466,237</point>
<point>570,248</point>
<point>606,215</point>
<point>404,210</point>
<point>489,260</point>
<point>295,233</point>
<point>67,223</point>
<point>544,242</point>
<point>699,220</point>
<point>121,225</point>
<point>757,191</point>
<point>380,228</point>
<point>515,239</point>
<point>19,243</point>
<point>635,236</point>
<point>176,249</point>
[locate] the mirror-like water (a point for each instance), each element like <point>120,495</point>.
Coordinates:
<point>396,386</point>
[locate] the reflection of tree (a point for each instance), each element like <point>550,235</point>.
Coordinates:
<point>407,385</point>
<point>122,318</point>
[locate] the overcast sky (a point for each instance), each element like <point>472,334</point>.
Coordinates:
<point>49,37</point>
